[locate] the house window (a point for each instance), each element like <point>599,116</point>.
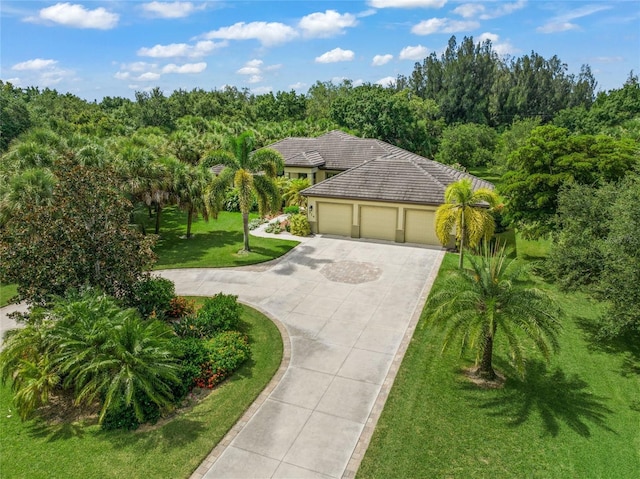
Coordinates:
<point>302,175</point>
<point>329,175</point>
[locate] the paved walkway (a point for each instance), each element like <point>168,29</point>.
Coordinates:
<point>349,308</point>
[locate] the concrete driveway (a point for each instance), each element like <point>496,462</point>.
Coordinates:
<point>349,308</point>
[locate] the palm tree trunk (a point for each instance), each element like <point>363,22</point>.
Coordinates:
<point>189,221</point>
<point>485,371</point>
<point>158,211</point>
<point>245,228</point>
<point>462,226</point>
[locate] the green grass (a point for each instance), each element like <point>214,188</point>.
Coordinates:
<point>214,243</point>
<point>173,450</point>
<point>7,291</point>
<point>578,417</point>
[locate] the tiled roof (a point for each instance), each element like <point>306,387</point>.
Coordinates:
<point>306,159</point>
<point>339,150</point>
<point>399,176</point>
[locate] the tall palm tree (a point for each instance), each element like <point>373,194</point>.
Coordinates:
<point>25,190</point>
<point>474,304</point>
<point>189,187</point>
<point>465,209</point>
<point>251,173</point>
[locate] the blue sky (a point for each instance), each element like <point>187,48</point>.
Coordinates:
<point>114,48</point>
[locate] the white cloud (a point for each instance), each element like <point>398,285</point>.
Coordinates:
<point>504,9</point>
<point>380,60</point>
<point>186,68</point>
<point>35,64</point>
<point>122,75</point>
<point>137,88</point>
<point>252,67</point>
<point>254,79</point>
<point>77,16</point>
<point>138,66</point>
<point>172,50</point>
<point>297,86</point>
<point>469,10</point>
<point>326,24</point>
<point>386,81</point>
<point>169,9</point>
<point>562,22</point>
<point>336,55</point>
<point>261,90</point>
<point>443,25</point>
<point>407,3</point>
<point>501,48</point>
<point>268,34</point>
<point>417,52</point>
<point>358,82</point>
<point>148,76</point>
<point>15,81</point>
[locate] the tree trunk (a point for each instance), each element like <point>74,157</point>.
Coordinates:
<point>245,228</point>
<point>189,220</point>
<point>462,226</point>
<point>485,371</point>
<point>150,211</point>
<point>158,211</point>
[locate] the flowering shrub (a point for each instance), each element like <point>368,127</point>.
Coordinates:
<point>179,307</point>
<point>226,352</point>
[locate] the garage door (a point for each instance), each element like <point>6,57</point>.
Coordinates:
<point>378,222</point>
<point>420,227</point>
<point>335,218</point>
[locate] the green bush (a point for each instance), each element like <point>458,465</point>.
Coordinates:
<point>122,416</point>
<point>273,228</point>
<point>292,210</point>
<point>193,355</point>
<point>180,307</point>
<point>220,313</point>
<point>299,225</point>
<point>152,296</point>
<point>232,201</point>
<point>227,351</point>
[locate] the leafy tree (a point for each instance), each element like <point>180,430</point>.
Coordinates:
<point>29,188</point>
<point>250,173</point>
<point>463,209</point>
<point>82,237</point>
<point>14,113</point>
<point>552,158</point>
<point>474,305</point>
<point>468,144</point>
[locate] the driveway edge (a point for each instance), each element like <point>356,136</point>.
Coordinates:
<point>367,433</point>
<point>217,451</point>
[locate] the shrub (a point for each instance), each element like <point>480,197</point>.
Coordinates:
<point>227,351</point>
<point>254,223</point>
<point>292,210</point>
<point>190,327</point>
<point>273,228</point>
<point>299,225</point>
<point>122,416</point>
<point>152,296</point>
<point>219,313</point>
<point>180,307</point>
<point>232,201</point>
<point>193,355</point>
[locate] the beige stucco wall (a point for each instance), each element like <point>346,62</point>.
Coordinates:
<point>403,210</point>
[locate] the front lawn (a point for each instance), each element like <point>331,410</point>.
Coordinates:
<point>173,450</point>
<point>578,417</point>
<point>7,291</point>
<point>214,244</point>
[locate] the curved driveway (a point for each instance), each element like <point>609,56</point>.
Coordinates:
<point>350,308</point>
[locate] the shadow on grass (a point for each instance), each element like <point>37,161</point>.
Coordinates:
<point>627,347</point>
<point>57,432</point>
<point>556,397</point>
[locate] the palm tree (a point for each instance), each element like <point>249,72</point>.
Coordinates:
<point>464,210</point>
<point>109,354</point>
<point>251,173</point>
<point>473,305</point>
<point>189,187</point>
<point>292,192</point>
<point>25,190</point>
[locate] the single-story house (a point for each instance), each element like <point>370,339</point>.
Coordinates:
<point>366,188</point>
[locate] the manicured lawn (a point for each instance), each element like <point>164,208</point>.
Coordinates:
<point>173,450</point>
<point>578,417</point>
<point>214,243</point>
<point>7,291</point>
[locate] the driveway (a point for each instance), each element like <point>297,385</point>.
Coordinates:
<point>349,308</point>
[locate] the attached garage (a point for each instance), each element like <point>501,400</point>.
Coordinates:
<point>378,222</point>
<point>335,218</point>
<point>420,227</point>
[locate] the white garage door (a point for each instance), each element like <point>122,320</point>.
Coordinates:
<point>420,227</point>
<point>378,222</point>
<point>335,218</point>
